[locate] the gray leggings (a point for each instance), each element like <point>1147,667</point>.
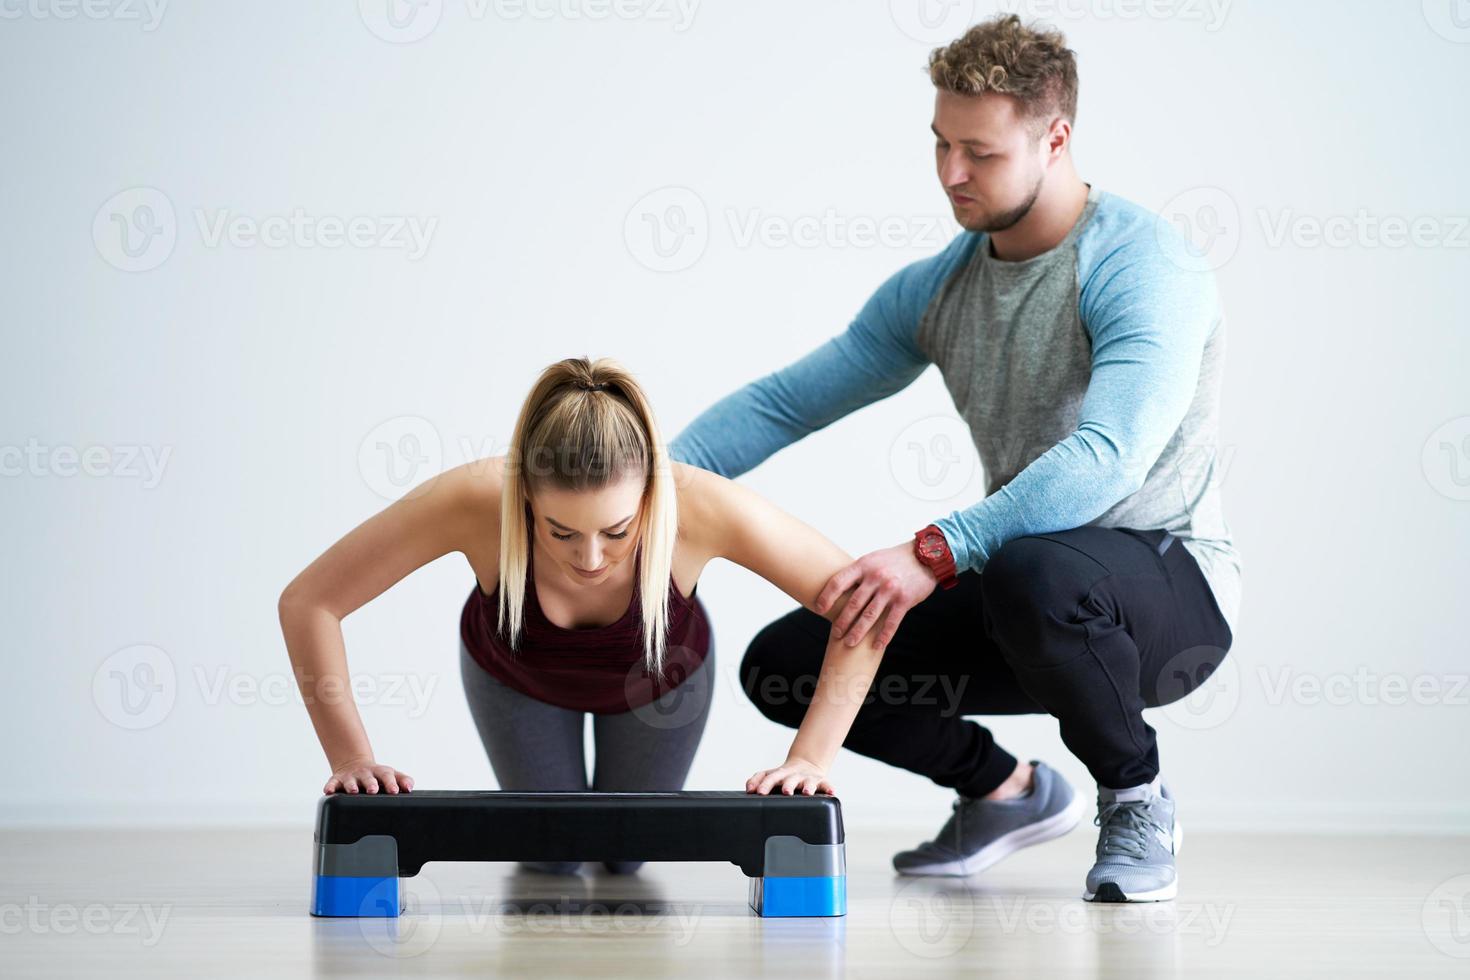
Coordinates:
<point>537,747</point>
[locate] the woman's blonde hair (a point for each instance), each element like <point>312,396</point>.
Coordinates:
<point>586,425</point>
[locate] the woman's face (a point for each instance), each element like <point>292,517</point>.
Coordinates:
<point>589,533</point>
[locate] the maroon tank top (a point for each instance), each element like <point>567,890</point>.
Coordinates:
<point>599,669</point>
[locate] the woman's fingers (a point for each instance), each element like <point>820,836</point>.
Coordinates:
<point>370,778</point>
<point>767,779</point>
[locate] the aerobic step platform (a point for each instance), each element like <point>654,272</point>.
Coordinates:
<point>790,847</point>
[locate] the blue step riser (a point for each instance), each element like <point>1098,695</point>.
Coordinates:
<point>343,896</point>
<point>790,897</point>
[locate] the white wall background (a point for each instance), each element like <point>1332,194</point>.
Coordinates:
<point>529,135</point>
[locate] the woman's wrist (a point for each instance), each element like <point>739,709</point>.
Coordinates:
<point>803,751</point>
<point>342,761</point>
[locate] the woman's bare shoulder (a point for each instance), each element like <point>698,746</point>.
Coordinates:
<point>482,478</point>
<point>710,506</point>
<point>695,489</point>
<point>473,490</point>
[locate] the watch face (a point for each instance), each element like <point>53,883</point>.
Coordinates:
<point>932,545</point>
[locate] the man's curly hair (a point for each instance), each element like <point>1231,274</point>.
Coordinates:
<point>1001,54</point>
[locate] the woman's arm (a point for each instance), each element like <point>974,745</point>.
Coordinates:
<point>733,522</point>
<point>435,518</point>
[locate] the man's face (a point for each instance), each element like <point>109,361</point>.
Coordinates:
<point>991,162</point>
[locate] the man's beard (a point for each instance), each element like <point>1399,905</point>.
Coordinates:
<point>1006,219</point>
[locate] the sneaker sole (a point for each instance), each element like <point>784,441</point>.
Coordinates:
<point>1054,826</point>
<point>1109,892</point>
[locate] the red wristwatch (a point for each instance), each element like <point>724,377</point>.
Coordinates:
<point>931,549</point>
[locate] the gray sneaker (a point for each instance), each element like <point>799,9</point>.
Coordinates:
<point>1135,846</point>
<point>981,832</point>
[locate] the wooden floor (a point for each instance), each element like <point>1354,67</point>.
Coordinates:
<point>217,903</point>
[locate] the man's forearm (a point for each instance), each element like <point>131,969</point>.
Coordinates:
<point>1066,487</point>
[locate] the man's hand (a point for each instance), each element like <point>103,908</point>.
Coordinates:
<point>891,581</point>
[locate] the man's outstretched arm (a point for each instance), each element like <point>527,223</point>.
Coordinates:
<point>875,357</point>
